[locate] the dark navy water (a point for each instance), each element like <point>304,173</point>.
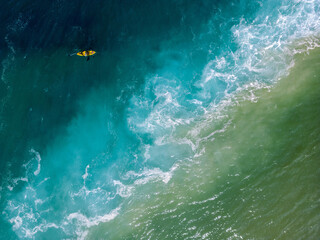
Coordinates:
<point>183,125</point>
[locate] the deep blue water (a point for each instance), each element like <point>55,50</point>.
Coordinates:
<point>79,138</point>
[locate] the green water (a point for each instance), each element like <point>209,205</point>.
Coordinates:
<point>258,179</point>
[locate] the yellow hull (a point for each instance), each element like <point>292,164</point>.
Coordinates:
<point>86,53</point>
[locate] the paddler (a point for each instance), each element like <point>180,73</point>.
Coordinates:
<point>86,53</point>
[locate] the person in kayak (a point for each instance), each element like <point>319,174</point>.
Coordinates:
<point>86,53</point>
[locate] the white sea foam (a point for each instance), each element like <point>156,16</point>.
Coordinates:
<point>84,176</point>
<point>146,153</point>
<point>211,135</point>
<point>123,190</point>
<point>44,180</point>
<point>92,221</point>
<point>16,181</point>
<point>40,228</point>
<point>264,52</point>
<point>263,42</point>
<point>146,176</point>
<point>154,174</point>
<point>17,222</point>
<point>151,175</point>
<point>38,159</point>
<point>161,109</point>
<point>263,55</point>
<point>83,222</point>
<point>86,193</point>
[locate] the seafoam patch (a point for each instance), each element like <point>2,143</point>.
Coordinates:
<point>37,157</point>
<point>83,222</point>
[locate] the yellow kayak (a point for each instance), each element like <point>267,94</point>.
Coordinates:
<point>86,53</point>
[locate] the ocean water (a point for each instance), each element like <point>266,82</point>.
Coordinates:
<point>194,120</point>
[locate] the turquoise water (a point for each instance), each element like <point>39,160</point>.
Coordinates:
<point>194,120</point>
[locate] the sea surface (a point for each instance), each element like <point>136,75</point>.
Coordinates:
<point>194,119</point>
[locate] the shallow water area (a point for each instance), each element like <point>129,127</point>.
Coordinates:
<point>257,177</point>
